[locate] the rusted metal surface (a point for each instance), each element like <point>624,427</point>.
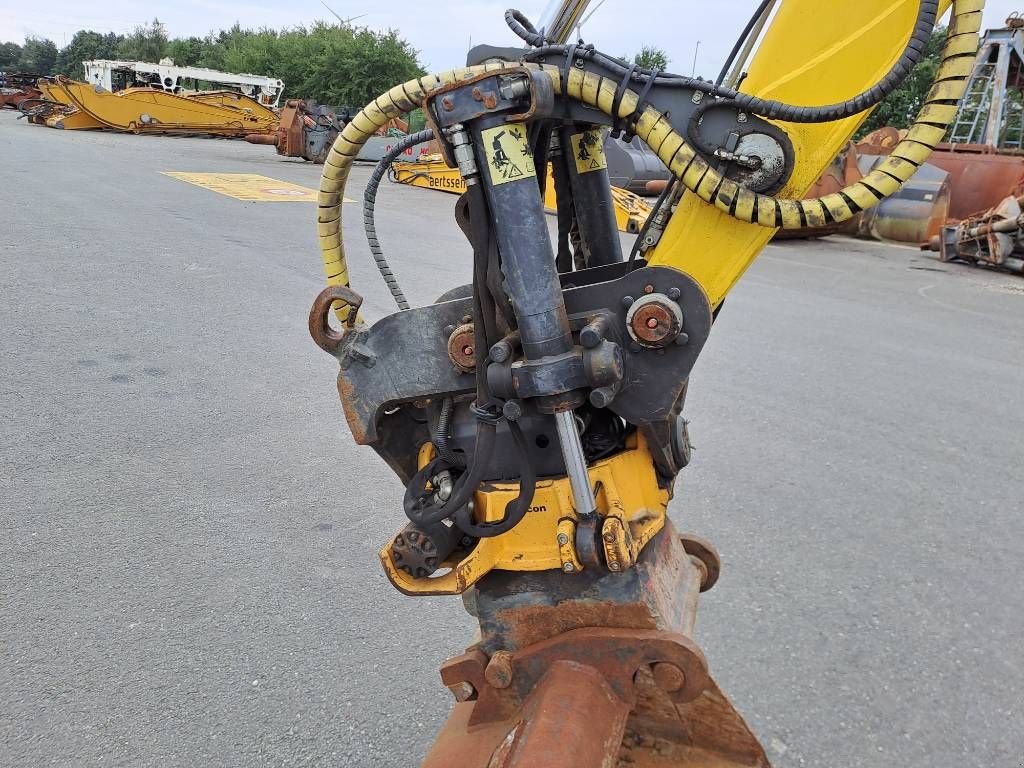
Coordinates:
<point>914,214</point>
<point>617,654</point>
<point>979,176</point>
<point>655,321</point>
<point>707,557</point>
<point>17,87</point>
<point>604,665</point>
<point>320,328</point>
<point>461,350</point>
<point>305,129</point>
<point>991,238</point>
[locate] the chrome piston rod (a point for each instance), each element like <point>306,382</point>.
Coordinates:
<point>575,463</point>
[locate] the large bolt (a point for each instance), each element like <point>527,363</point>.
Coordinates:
<point>668,677</point>
<point>563,540</point>
<point>602,397</point>
<point>461,351</point>
<point>609,537</point>
<point>568,567</point>
<point>501,351</point>
<point>448,104</point>
<point>512,410</point>
<point>499,670</point>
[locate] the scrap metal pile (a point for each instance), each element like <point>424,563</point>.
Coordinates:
<point>73,105</point>
<point>16,88</point>
<point>144,98</point>
<point>973,178</point>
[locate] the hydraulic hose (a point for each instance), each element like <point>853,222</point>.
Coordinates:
<point>442,436</point>
<point>744,42</point>
<point>685,164</point>
<point>773,110</point>
<point>369,203</point>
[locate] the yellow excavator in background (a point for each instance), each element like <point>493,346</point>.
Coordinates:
<point>535,416</point>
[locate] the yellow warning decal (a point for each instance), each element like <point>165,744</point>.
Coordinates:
<point>249,186</point>
<point>508,153</point>
<point>588,149</point>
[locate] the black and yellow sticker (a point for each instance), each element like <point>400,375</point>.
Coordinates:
<point>588,149</point>
<point>508,153</point>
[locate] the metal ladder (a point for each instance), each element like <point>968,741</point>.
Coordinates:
<point>1012,135</point>
<point>972,118</point>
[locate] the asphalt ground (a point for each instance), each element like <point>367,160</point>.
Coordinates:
<point>188,534</point>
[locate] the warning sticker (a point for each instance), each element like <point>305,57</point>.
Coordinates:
<point>588,149</point>
<point>508,153</point>
<point>249,186</point>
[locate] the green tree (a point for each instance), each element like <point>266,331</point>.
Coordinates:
<point>86,45</point>
<point>38,55</point>
<point>900,107</point>
<point>147,42</point>
<point>334,64</point>
<point>10,55</point>
<point>651,57</point>
<point>187,52</point>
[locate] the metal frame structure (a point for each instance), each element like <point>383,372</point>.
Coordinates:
<point>169,77</point>
<point>987,113</point>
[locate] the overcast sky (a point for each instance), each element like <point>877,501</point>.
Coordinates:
<point>440,31</point>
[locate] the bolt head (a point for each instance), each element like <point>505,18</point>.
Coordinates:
<point>613,566</point>
<point>568,568</point>
<point>563,539</point>
<point>609,537</point>
<point>668,676</point>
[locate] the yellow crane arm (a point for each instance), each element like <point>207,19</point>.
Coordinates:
<point>810,54</point>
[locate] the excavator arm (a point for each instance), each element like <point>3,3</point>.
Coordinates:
<point>535,416</point>
<point>810,54</point>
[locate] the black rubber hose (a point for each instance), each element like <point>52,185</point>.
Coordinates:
<point>419,507</point>
<point>523,28</point>
<point>442,436</point>
<point>773,110</point>
<point>369,203</point>
<point>515,510</point>
<point>742,39</point>
<point>663,199</point>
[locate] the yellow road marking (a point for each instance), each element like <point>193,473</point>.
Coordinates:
<point>250,187</point>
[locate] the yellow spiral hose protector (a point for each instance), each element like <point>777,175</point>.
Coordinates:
<point>693,171</point>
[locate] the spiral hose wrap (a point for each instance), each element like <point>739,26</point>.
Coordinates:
<point>652,127</point>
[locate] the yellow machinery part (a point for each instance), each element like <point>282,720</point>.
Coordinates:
<point>68,117</point>
<point>74,120</point>
<point>630,503</point>
<point>631,211</point>
<point>233,100</point>
<point>429,173</point>
<point>143,110</point>
<point>840,52</point>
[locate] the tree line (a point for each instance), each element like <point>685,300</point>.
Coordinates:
<point>338,64</point>
<point>335,64</point>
